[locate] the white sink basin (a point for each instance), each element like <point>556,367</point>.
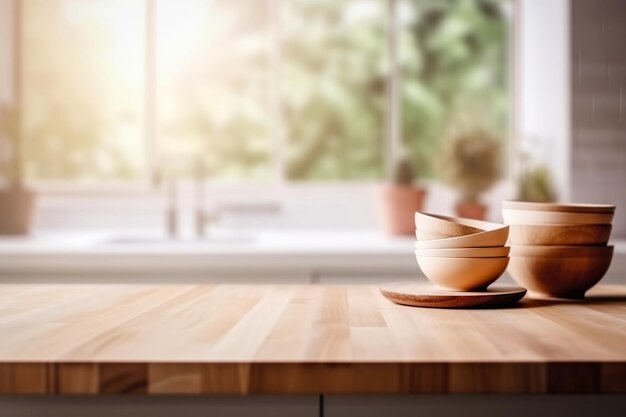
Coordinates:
<point>218,239</point>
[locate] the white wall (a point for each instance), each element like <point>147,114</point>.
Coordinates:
<point>571,92</point>
<point>598,67</point>
<point>542,85</point>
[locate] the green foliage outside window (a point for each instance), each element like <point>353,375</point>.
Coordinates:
<point>334,91</point>
<point>83,98</point>
<point>454,61</point>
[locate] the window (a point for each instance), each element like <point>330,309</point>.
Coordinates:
<point>453,58</point>
<point>213,86</point>
<point>254,90</point>
<point>334,57</point>
<point>83,72</point>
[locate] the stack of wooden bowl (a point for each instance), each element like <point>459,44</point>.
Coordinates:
<point>559,250</point>
<point>460,254</point>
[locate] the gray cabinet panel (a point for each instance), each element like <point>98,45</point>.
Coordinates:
<point>175,406</point>
<point>476,406</point>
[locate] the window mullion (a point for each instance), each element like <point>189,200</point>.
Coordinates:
<point>18,156</point>
<point>150,94</point>
<point>393,138</point>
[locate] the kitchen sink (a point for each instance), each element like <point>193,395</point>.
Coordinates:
<point>218,239</point>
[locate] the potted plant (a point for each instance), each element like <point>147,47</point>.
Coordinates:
<point>399,200</point>
<point>471,162</point>
<point>535,185</point>
<point>16,202</point>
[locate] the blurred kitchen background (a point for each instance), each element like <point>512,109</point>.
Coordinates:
<point>283,139</point>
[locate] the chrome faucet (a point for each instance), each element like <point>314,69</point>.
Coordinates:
<point>202,217</point>
<point>169,187</point>
<point>171,210</point>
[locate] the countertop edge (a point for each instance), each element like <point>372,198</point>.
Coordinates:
<point>296,378</point>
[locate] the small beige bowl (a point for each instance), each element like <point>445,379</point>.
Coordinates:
<point>425,235</point>
<point>448,226</point>
<point>559,271</point>
<point>535,217</point>
<point>497,252</point>
<point>489,238</point>
<point>462,274</point>
<point>559,235</point>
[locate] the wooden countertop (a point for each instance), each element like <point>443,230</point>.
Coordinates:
<point>228,339</point>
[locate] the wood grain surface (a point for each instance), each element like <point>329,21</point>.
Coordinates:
<point>228,339</point>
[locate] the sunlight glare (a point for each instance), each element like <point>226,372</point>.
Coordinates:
<point>179,31</point>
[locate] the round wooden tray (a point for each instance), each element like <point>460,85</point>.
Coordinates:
<point>419,294</point>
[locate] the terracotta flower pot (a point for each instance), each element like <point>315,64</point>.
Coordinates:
<point>16,211</point>
<point>397,206</point>
<point>471,210</point>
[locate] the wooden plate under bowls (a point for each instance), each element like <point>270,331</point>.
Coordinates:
<point>418,294</point>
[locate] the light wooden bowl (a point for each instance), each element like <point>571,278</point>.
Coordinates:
<point>559,271</point>
<point>535,217</point>
<point>462,274</point>
<point>489,238</point>
<point>561,251</point>
<point>496,252</point>
<point>451,226</point>
<point>570,208</point>
<point>423,235</point>
<point>555,235</point>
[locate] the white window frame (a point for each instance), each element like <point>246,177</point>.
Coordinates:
<point>392,138</point>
